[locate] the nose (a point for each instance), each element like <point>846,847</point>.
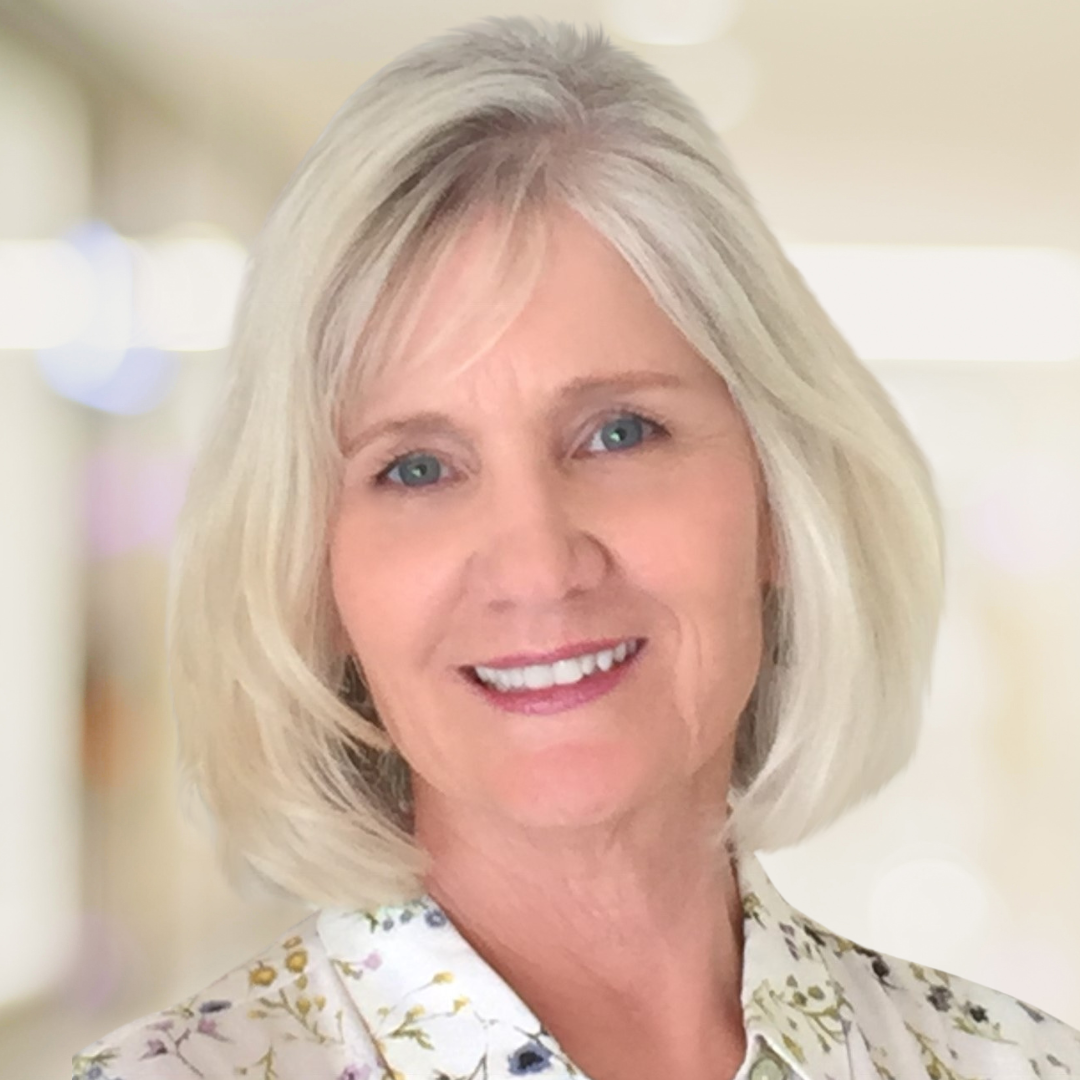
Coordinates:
<point>538,538</point>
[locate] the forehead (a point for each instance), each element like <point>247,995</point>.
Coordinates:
<point>583,312</point>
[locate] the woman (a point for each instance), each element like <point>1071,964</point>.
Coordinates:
<point>550,555</point>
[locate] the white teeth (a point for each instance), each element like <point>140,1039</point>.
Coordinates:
<point>562,672</point>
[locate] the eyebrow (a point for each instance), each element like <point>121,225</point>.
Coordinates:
<point>428,422</point>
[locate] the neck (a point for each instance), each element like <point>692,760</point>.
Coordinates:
<point>572,918</point>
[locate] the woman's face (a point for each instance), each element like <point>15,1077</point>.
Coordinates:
<point>537,516</point>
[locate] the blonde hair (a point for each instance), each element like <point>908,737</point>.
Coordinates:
<point>512,116</point>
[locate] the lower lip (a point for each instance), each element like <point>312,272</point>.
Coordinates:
<point>556,698</point>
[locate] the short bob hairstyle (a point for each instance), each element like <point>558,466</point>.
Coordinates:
<point>511,117</point>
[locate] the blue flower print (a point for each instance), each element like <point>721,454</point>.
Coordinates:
<point>434,917</point>
<point>530,1058</point>
<point>91,1068</point>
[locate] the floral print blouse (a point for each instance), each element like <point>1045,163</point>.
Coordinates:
<point>397,993</point>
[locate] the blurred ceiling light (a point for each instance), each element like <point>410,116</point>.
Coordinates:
<point>96,289</point>
<point>948,303</point>
<point>83,301</point>
<point>670,22</point>
<point>98,366</point>
<point>141,382</point>
<point>105,314</point>
<point>186,290</point>
<point>77,364</point>
<point>46,293</point>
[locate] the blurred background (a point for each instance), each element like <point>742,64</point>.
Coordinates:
<point>921,161</point>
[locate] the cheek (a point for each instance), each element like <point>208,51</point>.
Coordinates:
<point>380,589</point>
<point>370,594</point>
<point>698,556</point>
<point>384,605</point>
<point>384,597</point>
<point>701,539</point>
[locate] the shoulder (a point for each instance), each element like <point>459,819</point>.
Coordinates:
<point>916,1019</point>
<point>282,1014</point>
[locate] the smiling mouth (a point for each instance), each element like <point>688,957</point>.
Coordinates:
<point>588,665</point>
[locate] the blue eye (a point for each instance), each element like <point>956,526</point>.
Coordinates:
<point>619,422</point>
<point>627,428</point>
<point>410,461</point>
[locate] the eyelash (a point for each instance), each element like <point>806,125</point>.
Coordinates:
<point>381,478</point>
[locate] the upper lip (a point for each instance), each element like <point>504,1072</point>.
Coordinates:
<point>564,652</point>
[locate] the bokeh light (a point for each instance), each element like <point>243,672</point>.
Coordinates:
<point>128,307</point>
<point>186,289</point>
<point>99,366</point>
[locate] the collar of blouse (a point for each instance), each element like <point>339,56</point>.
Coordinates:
<point>435,1008</point>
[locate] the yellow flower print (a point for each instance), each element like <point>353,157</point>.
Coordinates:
<point>296,961</point>
<point>261,975</point>
<point>413,1013</point>
<point>303,1006</point>
<point>320,1001</point>
<point>460,1003</point>
<point>795,1049</point>
<point>443,977</point>
<point>293,942</point>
